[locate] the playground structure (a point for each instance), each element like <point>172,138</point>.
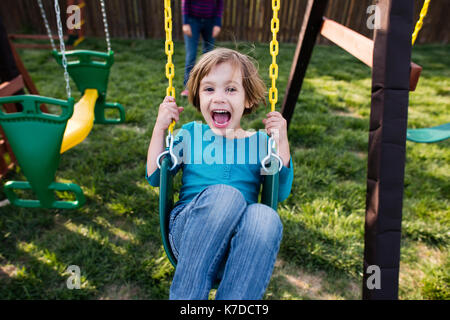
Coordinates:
<point>393,76</point>
<point>37,137</point>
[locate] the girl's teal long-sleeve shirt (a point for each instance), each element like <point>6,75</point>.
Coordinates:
<point>208,159</point>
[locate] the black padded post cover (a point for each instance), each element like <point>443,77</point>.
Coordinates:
<point>387,144</point>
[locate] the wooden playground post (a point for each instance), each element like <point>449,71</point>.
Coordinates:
<point>312,23</point>
<point>393,76</point>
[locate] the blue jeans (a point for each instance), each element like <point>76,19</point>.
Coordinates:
<point>199,26</point>
<point>218,235</point>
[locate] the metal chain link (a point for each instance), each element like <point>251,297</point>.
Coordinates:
<point>105,25</point>
<point>47,26</point>
<point>62,47</point>
<point>170,68</point>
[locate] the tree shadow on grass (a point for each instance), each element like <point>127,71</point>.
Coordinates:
<point>35,269</point>
<point>117,234</point>
<point>77,238</point>
<point>314,250</point>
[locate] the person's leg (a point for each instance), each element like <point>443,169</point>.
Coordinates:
<point>191,44</point>
<point>200,235</point>
<point>206,32</point>
<point>252,256</point>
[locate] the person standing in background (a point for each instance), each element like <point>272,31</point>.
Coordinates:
<point>200,17</point>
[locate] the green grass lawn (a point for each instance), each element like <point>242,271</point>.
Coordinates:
<point>115,239</point>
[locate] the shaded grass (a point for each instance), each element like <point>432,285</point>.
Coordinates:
<point>115,237</point>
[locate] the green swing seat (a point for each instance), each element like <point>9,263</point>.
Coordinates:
<point>429,135</point>
<point>90,70</point>
<point>35,138</point>
<point>269,197</point>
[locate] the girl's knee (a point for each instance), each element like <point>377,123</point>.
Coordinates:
<point>264,213</point>
<point>264,222</point>
<point>221,204</point>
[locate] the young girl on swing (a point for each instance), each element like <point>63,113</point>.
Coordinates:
<point>217,230</point>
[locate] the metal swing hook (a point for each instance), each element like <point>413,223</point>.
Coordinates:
<point>169,150</point>
<point>270,154</point>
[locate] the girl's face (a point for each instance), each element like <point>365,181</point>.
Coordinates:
<point>222,98</point>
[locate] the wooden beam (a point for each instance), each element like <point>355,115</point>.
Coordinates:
<point>312,23</point>
<point>46,46</point>
<point>351,41</point>
<point>29,84</point>
<point>359,46</point>
<point>8,88</point>
<point>33,36</point>
<point>414,76</point>
<point>387,149</point>
<point>32,46</point>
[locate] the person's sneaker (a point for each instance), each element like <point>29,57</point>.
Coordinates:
<point>184,93</point>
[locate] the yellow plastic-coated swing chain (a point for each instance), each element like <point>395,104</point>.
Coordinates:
<point>273,91</point>
<point>419,23</point>
<point>273,70</point>
<point>170,68</point>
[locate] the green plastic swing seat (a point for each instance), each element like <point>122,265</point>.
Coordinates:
<point>90,70</point>
<point>429,135</point>
<point>269,197</point>
<point>35,138</point>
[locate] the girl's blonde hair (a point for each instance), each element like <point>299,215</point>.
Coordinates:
<point>254,87</point>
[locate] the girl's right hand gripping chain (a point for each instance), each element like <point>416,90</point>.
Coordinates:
<point>168,111</point>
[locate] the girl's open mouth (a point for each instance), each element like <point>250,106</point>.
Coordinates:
<point>221,118</point>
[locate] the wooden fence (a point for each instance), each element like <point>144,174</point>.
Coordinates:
<point>243,20</point>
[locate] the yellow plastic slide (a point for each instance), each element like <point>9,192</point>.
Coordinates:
<point>81,122</point>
